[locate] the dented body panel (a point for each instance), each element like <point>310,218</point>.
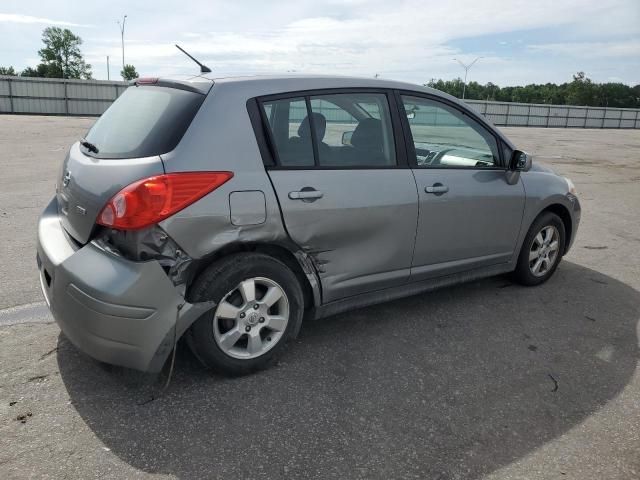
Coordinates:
<point>116,310</point>
<point>360,235</point>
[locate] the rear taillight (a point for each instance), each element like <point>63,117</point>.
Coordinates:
<point>151,200</point>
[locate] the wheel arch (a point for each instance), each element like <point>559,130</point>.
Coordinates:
<point>296,260</point>
<point>562,212</point>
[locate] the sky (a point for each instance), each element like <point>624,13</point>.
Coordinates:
<point>519,41</point>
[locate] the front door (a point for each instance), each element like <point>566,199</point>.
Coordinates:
<point>345,196</point>
<point>469,215</point>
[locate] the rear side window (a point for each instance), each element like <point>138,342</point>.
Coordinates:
<point>357,130</point>
<point>144,121</point>
<point>291,136</point>
<point>341,130</point>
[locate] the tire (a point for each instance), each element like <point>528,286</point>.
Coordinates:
<point>525,273</point>
<point>212,338</point>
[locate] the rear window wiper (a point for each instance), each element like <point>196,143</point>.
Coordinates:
<point>88,145</point>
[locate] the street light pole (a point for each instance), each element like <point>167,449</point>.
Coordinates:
<point>124,19</point>
<point>466,71</point>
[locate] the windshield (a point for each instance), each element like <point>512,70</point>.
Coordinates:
<point>144,121</point>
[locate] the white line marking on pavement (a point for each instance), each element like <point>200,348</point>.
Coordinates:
<point>30,313</point>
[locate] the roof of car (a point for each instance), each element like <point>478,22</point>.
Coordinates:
<point>328,79</point>
<point>305,81</point>
<point>256,85</point>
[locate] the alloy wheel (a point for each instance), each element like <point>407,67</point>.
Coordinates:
<point>544,251</point>
<point>250,319</point>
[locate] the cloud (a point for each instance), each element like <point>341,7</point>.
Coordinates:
<point>378,37</point>
<point>413,40</point>
<point>17,18</point>
<point>629,49</point>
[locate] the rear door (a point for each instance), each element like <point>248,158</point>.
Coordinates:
<point>347,196</point>
<point>143,123</point>
<point>470,214</point>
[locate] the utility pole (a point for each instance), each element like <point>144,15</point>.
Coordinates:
<point>121,24</point>
<point>108,76</point>
<point>466,71</point>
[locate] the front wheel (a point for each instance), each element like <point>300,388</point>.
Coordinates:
<point>541,250</point>
<point>259,307</point>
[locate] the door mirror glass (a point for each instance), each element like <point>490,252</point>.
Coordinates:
<point>346,138</point>
<point>520,161</point>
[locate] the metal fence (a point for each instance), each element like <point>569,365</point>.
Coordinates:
<point>52,96</point>
<point>540,115</point>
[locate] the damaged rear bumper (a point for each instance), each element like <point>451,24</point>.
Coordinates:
<point>116,310</point>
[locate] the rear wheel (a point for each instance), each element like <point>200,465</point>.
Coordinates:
<point>541,250</point>
<point>259,307</point>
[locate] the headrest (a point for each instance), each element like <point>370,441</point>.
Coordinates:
<point>320,124</point>
<point>368,135</point>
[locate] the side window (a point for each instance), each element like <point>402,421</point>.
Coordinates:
<point>353,130</point>
<point>349,130</point>
<point>267,110</point>
<point>445,138</point>
<point>290,131</point>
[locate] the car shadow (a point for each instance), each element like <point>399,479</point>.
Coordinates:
<point>451,384</point>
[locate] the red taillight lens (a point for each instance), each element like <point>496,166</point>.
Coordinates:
<point>151,200</point>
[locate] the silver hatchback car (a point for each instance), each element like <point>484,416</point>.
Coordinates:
<point>227,210</point>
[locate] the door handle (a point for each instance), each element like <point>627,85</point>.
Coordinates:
<point>437,188</point>
<point>305,195</point>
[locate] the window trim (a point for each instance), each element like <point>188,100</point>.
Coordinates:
<point>256,117</point>
<point>465,112</point>
<point>314,134</point>
<point>270,154</point>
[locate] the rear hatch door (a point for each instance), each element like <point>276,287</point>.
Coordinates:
<point>145,122</point>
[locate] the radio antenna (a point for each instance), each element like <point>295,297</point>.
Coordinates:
<point>203,67</point>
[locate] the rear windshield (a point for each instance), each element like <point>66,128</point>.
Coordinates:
<point>144,121</point>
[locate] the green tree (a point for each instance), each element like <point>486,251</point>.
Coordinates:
<point>61,54</point>
<point>617,95</point>
<point>580,91</point>
<point>635,91</point>
<point>129,72</point>
<point>30,72</point>
<point>42,70</point>
<point>7,71</point>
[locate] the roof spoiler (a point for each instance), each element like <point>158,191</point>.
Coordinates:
<point>199,85</point>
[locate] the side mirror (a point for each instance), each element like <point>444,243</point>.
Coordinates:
<point>520,161</point>
<point>346,138</point>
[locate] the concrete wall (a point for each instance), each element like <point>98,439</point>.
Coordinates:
<point>52,96</point>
